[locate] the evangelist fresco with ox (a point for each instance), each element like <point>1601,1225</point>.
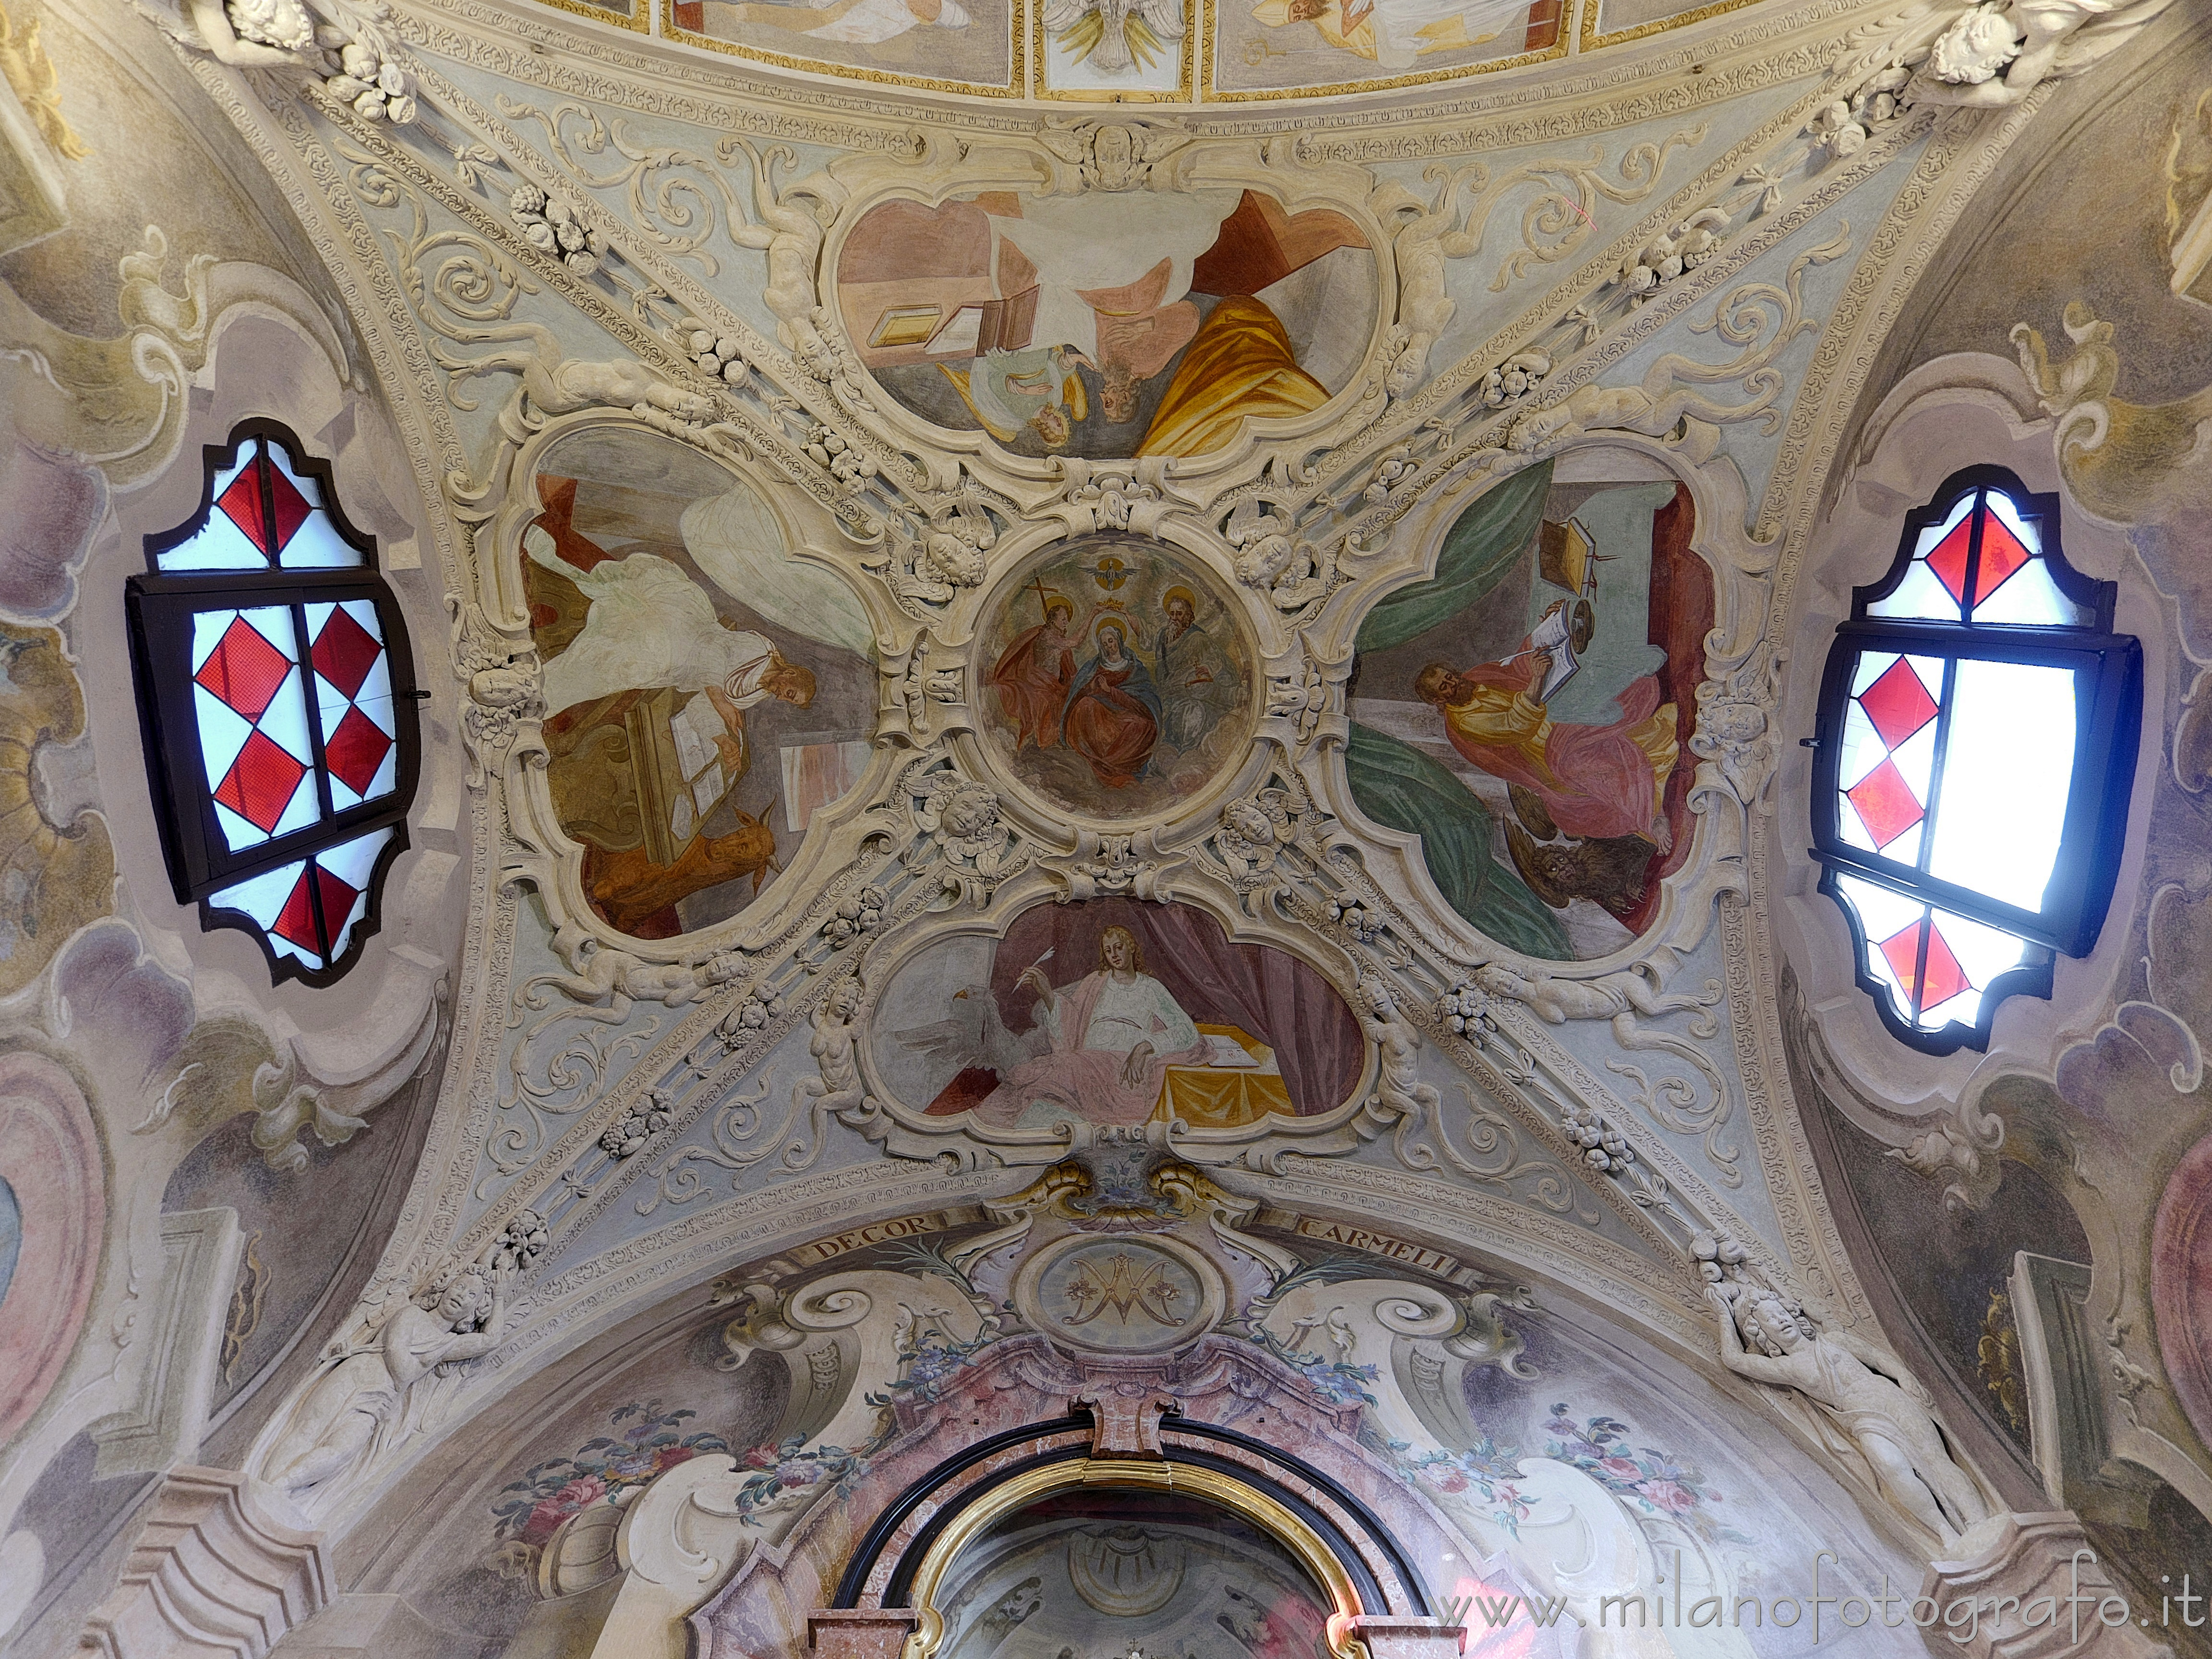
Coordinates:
<point>1116,679</point>
<point>1113,1012</point>
<point>1527,711</point>
<point>692,734</point>
<point>1110,324</point>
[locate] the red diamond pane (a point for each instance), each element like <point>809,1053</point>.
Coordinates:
<point>1948,560</point>
<point>292,508</point>
<point>355,750</point>
<point>1885,802</point>
<point>1902,950</point>
<point>1946,978</point>
<point>1898,703</point>
<point>296,921</point>
<point>242,502</point>
<point>337,896</point>
<point>245,669</point>
<point>260,782</point>
<point>344,651</point>
<point>2001,555</point>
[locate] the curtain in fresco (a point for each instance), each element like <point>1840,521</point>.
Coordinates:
<point>1478,550</point>
<point>1397,785</point>
<point>1269,992</point>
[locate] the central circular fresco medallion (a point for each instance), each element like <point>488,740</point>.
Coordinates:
<point>1116,678</point>
<point>1120,1294</point>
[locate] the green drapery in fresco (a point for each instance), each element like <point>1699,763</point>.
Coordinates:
<point>1478,550</point>
<point>1397,785</point>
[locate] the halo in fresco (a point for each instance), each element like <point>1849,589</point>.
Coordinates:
<point>1114,678</point>
<point>1110,323</point>
<point>691,733</point>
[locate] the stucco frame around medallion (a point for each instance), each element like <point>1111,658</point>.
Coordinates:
<point>1170,160</point>
<point>1719,817</point>
<point>538,848</point>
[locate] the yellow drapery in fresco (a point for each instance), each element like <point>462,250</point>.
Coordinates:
<point>1227,1097</point>
<point>1239,363</point>
<point>1507,719</point>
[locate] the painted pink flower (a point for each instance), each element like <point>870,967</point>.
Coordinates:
<point>761,1457</point>
<point>1667,1495</point>
<point>1448,1479</point>
<point>1622,1468</point>
<point>669,1456</point>
<point>549,1512</point>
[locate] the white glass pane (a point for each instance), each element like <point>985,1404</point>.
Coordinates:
<point>1905,849</point>
<point>1870,667</point>
<point>262,897</point>
<point>374,697</point>
<point>208,628</point>
<point>302,810</point>
<point>2007,772</point>
<point>1851,827</point>
<point>222,545</point>
<point>1915,759</point>
<point>1862,750</point>
<point>2002,505</point>
<point>1931,538</point>
<point>1930,672</point>
<point>1920,594</point>
<point>1983,951</point>
<point>316,546</point>
<point>1966,1008</point>
<point>2028,598</point>
<point>1880,911</point>
<point>236,830</point>
<point>223,732</point>
<point>387,775</point>
<point>285,720</point>
<point>351,861</point>
<point>301,481</point>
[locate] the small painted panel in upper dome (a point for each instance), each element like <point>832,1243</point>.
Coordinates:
<point>706,693</point>
<point>1110,323</point>
<point>1265,49</point>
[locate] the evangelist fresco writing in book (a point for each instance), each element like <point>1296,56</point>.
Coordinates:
<point>960,43</point>
<point>1116,678</point>
<point>1115,1012</point>
<point>1108,325</point>
<point>690,736</point>
<point>1528,713</point>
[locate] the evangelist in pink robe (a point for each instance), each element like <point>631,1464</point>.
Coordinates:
<point>1093,1025</point>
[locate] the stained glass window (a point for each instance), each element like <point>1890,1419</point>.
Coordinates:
<point>1977,729</point>
<point>276,691</point>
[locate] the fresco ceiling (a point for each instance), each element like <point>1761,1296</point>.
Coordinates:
<point>1049,592</point>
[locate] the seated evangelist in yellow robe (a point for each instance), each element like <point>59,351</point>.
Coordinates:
<point>1240,363</point>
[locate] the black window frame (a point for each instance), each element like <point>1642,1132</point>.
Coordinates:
<point>2108,732</point>
<point>160,606</point>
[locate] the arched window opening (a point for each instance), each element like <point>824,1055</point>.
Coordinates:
<point>1976,744</point>
<point>276,697</point>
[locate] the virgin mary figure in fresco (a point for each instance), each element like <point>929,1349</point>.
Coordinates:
<point>1113,1033</point>
<point>1113,715</point>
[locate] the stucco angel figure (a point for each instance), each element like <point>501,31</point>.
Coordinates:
<point>1995,56</point>
<point>1878,1404</point>
<point>356,1404</point>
